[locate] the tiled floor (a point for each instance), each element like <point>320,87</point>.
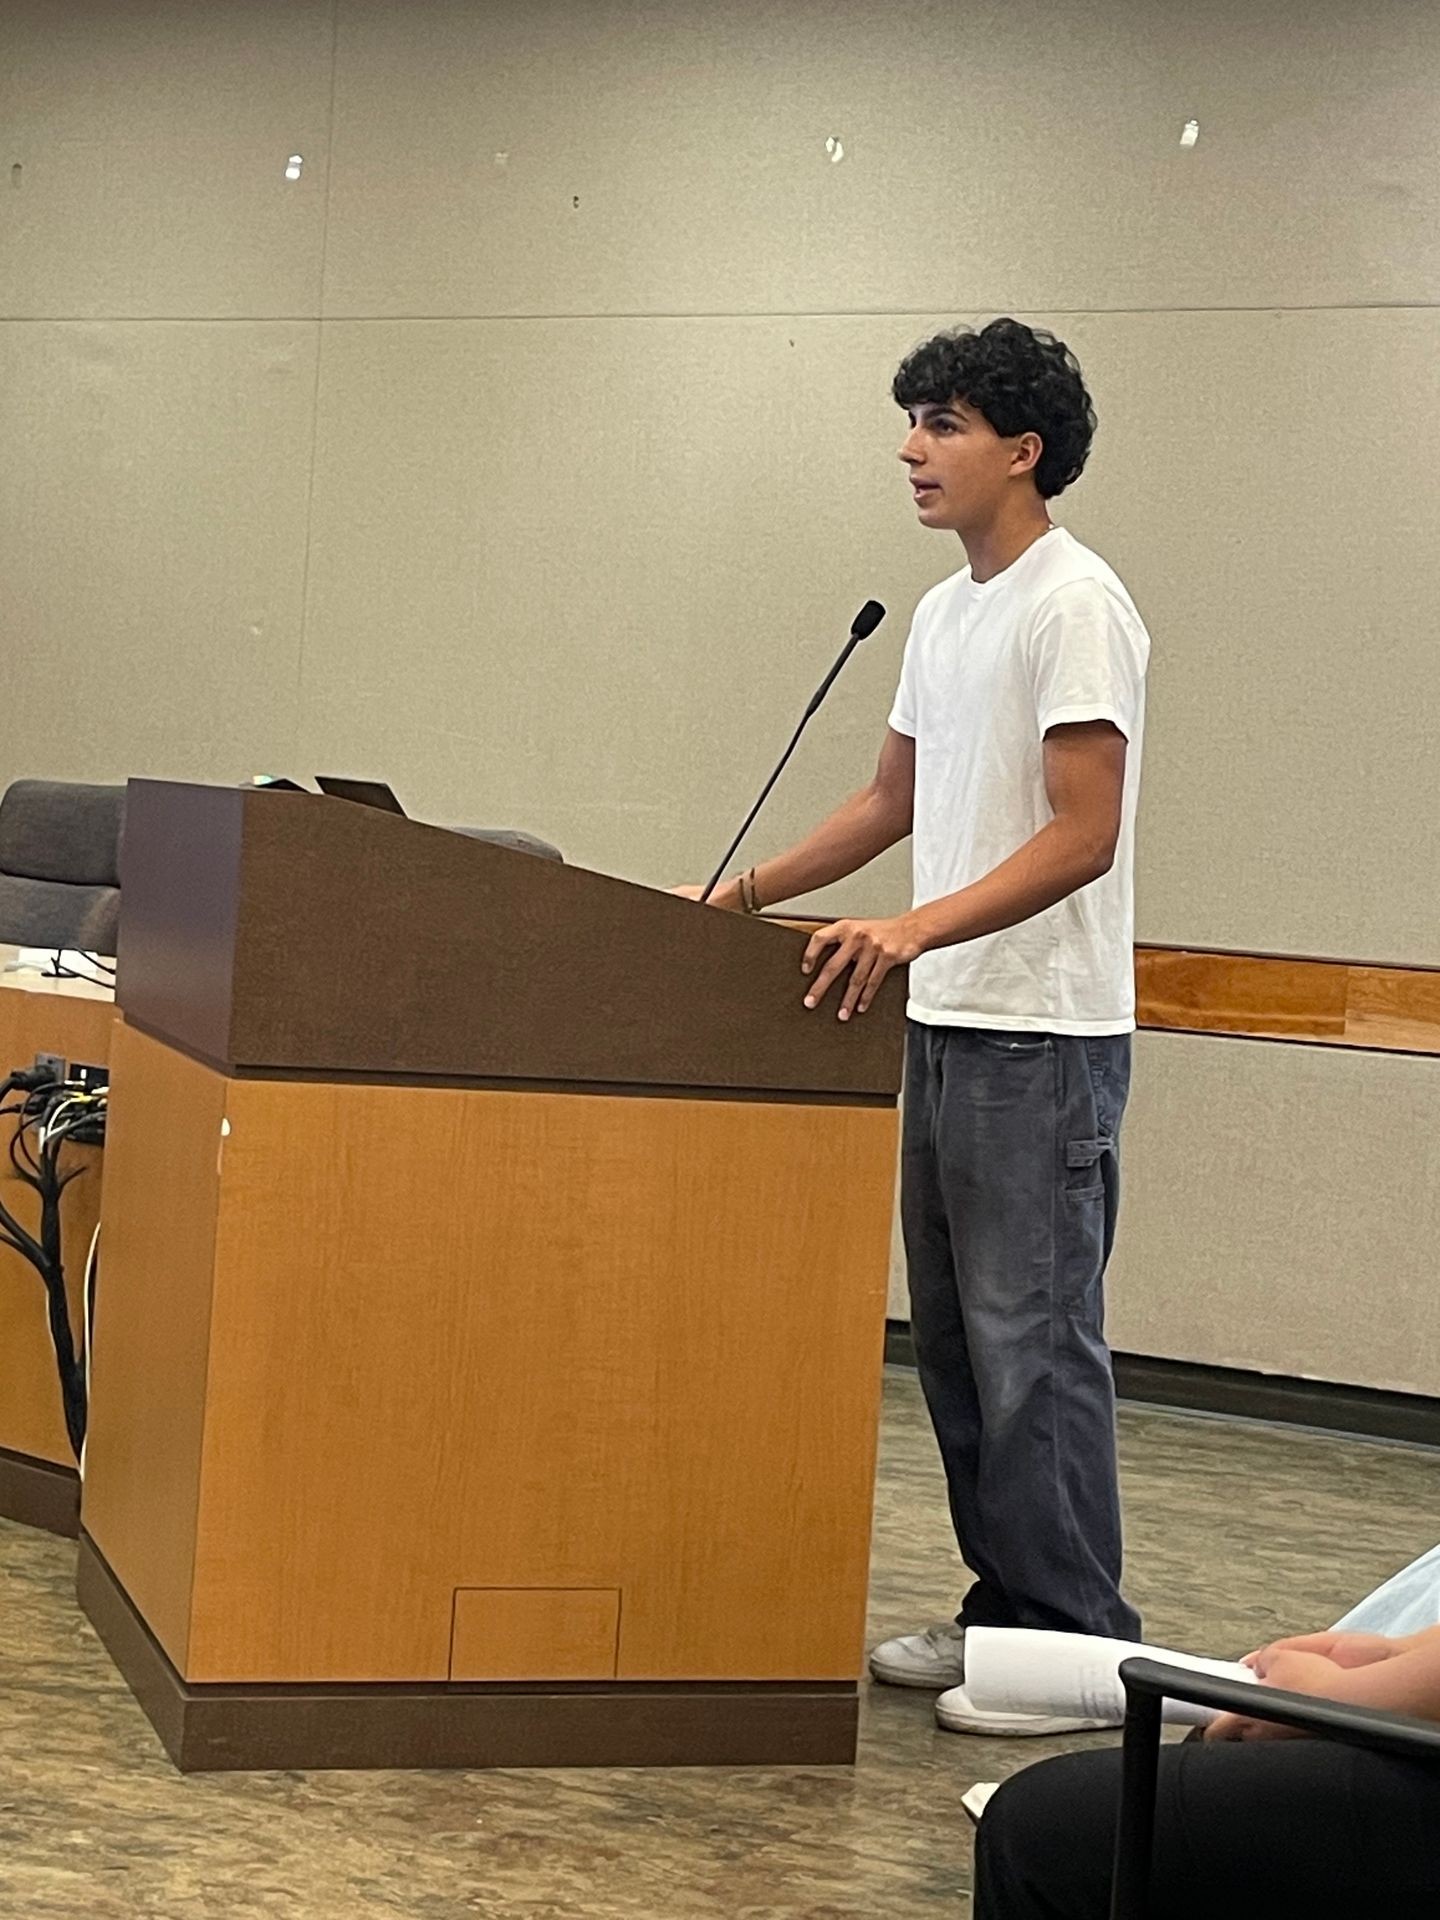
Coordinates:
<point>1236,1533</point>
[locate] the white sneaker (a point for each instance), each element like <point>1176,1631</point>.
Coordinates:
<point>935,1658</point>
<point>954,1712</point>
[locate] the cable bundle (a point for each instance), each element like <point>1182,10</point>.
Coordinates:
<point>50,1115</point>
<point>101,972</point>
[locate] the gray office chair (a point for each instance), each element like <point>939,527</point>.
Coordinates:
<point>60,865</point>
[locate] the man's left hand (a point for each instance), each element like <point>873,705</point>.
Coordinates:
<point>869,948</point>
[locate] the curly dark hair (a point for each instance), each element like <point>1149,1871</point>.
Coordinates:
<point>1022,379</point>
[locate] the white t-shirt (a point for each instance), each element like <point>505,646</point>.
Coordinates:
<point>989,668</point>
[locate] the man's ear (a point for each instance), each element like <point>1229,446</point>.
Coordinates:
<point>1026,457</point>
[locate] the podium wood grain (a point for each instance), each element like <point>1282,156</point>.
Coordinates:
<point>152,1325</point>
<point>529,1633</point>
<point>415,1341</point>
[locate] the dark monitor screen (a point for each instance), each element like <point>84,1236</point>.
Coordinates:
<point>365,793</point>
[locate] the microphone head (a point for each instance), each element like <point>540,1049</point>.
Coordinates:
<point>866,621</point>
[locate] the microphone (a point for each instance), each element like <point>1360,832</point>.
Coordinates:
<point>861,628</point>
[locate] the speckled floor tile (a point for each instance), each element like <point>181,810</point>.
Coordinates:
<point>1235,1533</point>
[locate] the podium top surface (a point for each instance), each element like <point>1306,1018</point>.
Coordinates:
<point>289,933</point>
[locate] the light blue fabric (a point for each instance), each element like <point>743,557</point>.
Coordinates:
<point>1407,1603</point>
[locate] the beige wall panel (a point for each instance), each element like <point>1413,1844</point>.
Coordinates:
<point>1282,1211</point>
<point>897,1303</point>
<point>597,156</point>
<point>579,576</point>
<point>151,141</point>
<point>1267,485</point>
<point>152,543</point>
<point>584,577</point>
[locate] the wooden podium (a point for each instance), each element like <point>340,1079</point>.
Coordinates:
<point>489,1331</point>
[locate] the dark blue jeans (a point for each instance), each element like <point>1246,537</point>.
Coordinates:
<point>1010,1186</point>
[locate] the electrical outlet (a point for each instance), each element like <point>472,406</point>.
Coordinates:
<point>91,1078</point>
<point>52,1063</point>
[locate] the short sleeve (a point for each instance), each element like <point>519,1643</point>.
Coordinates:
<point>1088,656</point>
<point>904,717</point>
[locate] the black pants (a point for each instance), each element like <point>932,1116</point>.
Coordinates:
<point>1010,1184</point>
<point>1264,1829</point>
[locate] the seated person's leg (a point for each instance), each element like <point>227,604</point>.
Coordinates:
<point>1044,1846</point>
<point>1266,1827</point>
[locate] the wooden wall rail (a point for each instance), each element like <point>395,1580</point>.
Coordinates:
<point>1322,1002</point>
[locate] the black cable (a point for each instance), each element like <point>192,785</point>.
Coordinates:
<point>73,973</point>
<point>62,1335</point>
<point>59,971</point>
<point>21,1240</point>
<point>72,1376</point>
<point>32,1114</point>
<point>14,1245</point>
<point>18,1237</point>
<point>17,1138</point>
<point>84,1126</point>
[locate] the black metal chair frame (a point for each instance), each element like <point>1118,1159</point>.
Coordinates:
<point>1148,1684</point>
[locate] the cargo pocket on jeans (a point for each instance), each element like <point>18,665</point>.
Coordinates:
<point>1083,1177</point>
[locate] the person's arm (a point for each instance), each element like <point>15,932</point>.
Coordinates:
<point>865,826</point>
<point>1085,786</point>
<point>1405,1678</point>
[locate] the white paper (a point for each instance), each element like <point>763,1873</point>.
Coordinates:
<point>978,1798</point>
<point>1072,1676</point>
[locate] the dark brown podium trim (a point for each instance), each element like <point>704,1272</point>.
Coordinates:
<point>616,1724</point>
<point>242,909</point>
<point>39,1493</point>
<point>494,1083</point>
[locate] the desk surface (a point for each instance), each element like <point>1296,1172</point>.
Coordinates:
<point>48,984</point>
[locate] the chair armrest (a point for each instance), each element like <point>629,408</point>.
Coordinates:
<point>1148,1683</point>
<point>1384,1732</point>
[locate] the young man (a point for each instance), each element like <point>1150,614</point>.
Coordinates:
<point>1013,755</point>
